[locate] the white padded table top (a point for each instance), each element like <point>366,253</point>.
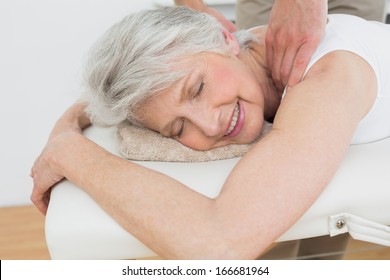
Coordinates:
<point>77,228</point>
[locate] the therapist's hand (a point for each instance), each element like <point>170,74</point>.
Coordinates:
<point>200,6</point>
<point>231,27</point>
<point>294,31</point>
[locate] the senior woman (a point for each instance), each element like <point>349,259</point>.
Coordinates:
<point>182,74</point>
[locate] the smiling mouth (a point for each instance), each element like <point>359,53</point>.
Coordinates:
<point>234,119</point>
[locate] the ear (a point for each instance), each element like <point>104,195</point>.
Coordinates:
<point>232,42</point>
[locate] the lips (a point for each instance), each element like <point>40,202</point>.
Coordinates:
<point>236,121</point>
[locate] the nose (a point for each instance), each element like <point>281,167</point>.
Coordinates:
<point>206,119</point>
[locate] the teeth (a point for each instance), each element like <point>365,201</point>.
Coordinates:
<point>234,119</point>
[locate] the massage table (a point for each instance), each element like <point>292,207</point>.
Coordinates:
<point>356,201</point>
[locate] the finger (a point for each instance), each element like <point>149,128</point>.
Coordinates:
<point>39,203</point>
<point>46,201</point>
<point>278,55</point>
<point>287,65</point>
<point>301,62</point>
<point>276,47</point>
<point>37,197</point>
<point>269,48</point>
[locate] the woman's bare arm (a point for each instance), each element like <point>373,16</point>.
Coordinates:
<point>268,190</point>
<point>73,119</point>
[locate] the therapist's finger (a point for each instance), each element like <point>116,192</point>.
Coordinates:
<point>269,48</point>
<point>300,63</point>
<point>275,53</point>
<point>286,66</point>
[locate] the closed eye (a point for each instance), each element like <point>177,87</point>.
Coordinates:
<point>180,129</point>
<point>200,89</point>
<point>197,89</point>
<point>196,93</point>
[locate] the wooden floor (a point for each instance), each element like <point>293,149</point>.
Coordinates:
<point>22,238</point>
<point>22,234</point>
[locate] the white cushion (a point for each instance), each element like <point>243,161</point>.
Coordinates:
<point>77,228</point>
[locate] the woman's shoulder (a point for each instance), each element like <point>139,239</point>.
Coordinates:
<point>258,31</point>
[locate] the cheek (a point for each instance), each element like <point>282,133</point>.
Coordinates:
<point>253,122</point>
<point>224,82</point>
<point>196,141</point>
<point>223,74</point>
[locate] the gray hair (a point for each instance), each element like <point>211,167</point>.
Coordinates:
<point>135,59</point>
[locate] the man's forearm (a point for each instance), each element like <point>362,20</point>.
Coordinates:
<point>197,5</point>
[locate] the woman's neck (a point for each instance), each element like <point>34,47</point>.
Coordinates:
<point>255,57</point>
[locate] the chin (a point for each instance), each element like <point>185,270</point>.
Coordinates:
<point>254,133</point>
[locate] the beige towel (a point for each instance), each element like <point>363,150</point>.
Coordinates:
<point>143,144</point>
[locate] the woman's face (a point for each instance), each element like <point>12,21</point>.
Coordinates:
<point>219,103</point>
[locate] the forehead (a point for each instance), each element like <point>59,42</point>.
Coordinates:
<point>160,103</point>
<point>188,69</point>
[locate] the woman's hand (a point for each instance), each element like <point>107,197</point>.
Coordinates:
<point>45,171</point>
<point>294,31</point>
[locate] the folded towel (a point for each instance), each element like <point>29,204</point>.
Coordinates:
<point>142,144</point>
